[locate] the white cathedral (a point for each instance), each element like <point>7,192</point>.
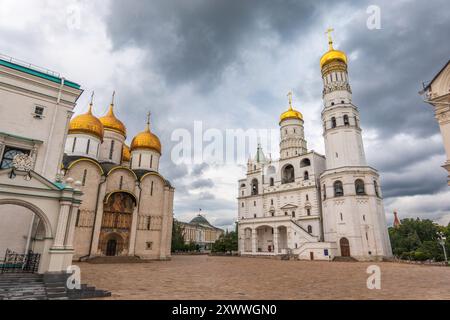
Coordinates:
<point>309,206</point>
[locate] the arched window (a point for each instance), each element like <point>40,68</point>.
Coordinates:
<point>88,146</point>
<point>111,150</point>
<point>338,189</point>
<point>333,122</point>
<point>84,177</point>
<point>272,182</point>
<point>346,121</point>
<point>375,185</point>
<point>324,192</point>
<point>310,229</point>
<point>306,176</point>
<point>359,187</point>
<point>288,174</point>
<point>243,185</point>
<point>74,144</point>
<point>254,187</point>
<point>305,163</point>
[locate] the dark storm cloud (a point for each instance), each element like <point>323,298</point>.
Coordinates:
<point>196,40</point>
<point>193,43</point>
<point>393,63</point>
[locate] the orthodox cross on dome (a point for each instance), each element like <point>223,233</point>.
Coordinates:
<point>330,40</point>
<point>290,94</point>
<point>149,114</point>
<point>113,97</point>
<point>92,97</point>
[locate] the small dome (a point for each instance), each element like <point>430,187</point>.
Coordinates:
<point>87,123</point>
<point>200,220</point>
<point>126,153</point>
<point>333,55</point>
<point>146,140</point>
<point>110,122</point>
<point>291,114</point>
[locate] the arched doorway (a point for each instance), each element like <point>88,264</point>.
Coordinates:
<point>116,224</point>
<point>248,240</point>
<point>24,231</point>
<point>345,247</point>
<point>265,239</point>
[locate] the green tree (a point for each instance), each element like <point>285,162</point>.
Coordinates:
<point>416,239</point>
<point>227,243</point>
<point>178,237</point>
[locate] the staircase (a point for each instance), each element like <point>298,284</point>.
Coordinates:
<point>344,259</point>
<point>23,286</point>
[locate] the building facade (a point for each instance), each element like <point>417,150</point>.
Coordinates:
<point>313,206</point>
<point>200,232</point>
<point>438,95</point>
<point>38,210</point>
<point>127,205</point>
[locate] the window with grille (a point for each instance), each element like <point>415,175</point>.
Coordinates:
<point>8,156</point>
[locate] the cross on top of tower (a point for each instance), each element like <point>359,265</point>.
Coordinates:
<point>330,39</point>
<point>290,94</point>
<point>113,97</point>
<point>92,97</point>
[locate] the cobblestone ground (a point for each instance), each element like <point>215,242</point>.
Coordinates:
<point>225,278</point>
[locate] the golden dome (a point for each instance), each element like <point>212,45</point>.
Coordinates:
<point>126,153</point>
<point>110,122</point>
<point>332,54</point>
<point>87,123</point>
<point>146,140</point>
<point>291,113</point>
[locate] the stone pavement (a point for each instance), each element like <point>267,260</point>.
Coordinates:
<point>227,278</point>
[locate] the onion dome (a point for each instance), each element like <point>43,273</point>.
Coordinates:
<point>110,122</point>
<point>126,153</point>
<point>291,113</point>
<point>332,54</point>
<point>146,140</point>
<point>87,123</point>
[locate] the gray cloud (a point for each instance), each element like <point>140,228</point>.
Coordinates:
<point>198,170</point>
<point>202,183</point>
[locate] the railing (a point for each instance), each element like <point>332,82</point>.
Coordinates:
<point>29,65</point>
<point>20,263</point>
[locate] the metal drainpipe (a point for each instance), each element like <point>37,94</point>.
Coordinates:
<point>52,128</point>
<point>139,207</point>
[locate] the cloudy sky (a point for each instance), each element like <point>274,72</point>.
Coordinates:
<point>230,65</point>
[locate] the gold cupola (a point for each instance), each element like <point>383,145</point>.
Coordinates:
<point>87,123</point>
<point>332,54</point>
<point>110,121</point>
<point>291,113</point>
<point>146,140</point>
<point>126,153</point>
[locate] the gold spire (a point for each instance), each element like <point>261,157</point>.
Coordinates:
<point>146,139</point>
<point>291,113</point>
<point>332,54</point>
<point>87,123</point>
<point>110,121</point>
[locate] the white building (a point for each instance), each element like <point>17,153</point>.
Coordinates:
<point>308,205</point>
<point>37,212</point>
<point>438,95</point>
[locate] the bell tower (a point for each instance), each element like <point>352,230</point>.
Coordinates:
<point>340,117</point>
<point>352,202</point>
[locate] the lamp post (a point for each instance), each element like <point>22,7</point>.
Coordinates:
<point>441,240</point>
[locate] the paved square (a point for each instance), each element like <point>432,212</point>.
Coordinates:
<point>225,278</point>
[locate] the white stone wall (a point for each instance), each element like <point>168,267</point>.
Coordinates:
<point>83,145</point>
<point>105,147</point>
<point>145,159</point>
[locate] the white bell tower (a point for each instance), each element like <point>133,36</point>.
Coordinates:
<point>353,211</point>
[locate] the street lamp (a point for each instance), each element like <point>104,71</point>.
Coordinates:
<point>441,240</point>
